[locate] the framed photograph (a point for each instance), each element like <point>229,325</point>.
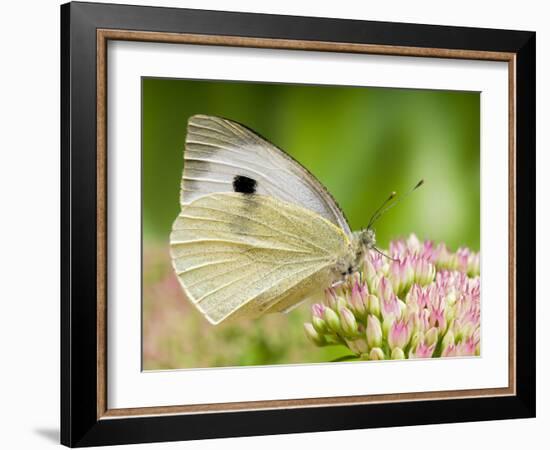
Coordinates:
<point>277,224</point>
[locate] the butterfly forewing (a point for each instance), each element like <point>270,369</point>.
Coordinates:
<point>224,156</point>
<point>245,254</point>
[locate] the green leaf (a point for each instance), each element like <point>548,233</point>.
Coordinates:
<point>346,358</point>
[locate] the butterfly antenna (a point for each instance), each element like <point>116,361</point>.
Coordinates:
<point>385,207</point>
<point>380,208</point>
<point>383,254</point>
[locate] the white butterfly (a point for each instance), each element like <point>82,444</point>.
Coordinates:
<point>257,232</point>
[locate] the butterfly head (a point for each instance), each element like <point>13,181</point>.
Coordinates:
<point>366,238</point>
<point>362,241</point>
<point>351,259</point>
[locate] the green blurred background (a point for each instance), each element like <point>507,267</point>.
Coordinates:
<point>361,143</point>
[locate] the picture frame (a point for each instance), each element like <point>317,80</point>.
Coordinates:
<point>86,30</point>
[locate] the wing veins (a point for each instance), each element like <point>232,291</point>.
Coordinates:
<point>219,288</point>
<point>204,127</point>
<point>256,172</point>
<point>281,280</point>
<point>213,277</point>
<point>237,243</point>
<point>231,233</point>
<point>206,264</point>
<point>299,238</point>
<point>207,180</point>
<point>216,142</point>
<point>280,211</point>
<point>209,144</point>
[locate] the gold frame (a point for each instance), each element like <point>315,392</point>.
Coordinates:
<point>103,36</point>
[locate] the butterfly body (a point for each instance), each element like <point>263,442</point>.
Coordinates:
<point>257,233</point>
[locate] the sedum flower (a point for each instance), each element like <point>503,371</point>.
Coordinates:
<point>422,350</point>
<point>357,346</point>
<point>397,353</point>
<point>399,334</point>
<point>332,320</point>
<point>348,322</point>
<point>374,305</point>
<point>376,354</point>
<point>431,336</point>
<point>313,335</point>
<point>401,275</point>
<point>421,303</point>
<point>317,318</point>
<point>423,271</point>
<point>358,299</point>
<point>374,332</point>
<point>389,303</point>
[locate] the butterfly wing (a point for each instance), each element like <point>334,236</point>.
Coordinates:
<point>241,255</point>
<point>224,156</point>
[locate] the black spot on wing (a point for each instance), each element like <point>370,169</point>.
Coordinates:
<point>244,185</point>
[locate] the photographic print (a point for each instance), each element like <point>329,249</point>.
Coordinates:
<point>294,200</point>
<point>294,224</point>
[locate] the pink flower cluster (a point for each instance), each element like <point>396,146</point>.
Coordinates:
<point>422,303</point>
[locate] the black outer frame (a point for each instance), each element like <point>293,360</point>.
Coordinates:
<point>79,423</point>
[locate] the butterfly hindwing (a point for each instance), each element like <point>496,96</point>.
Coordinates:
<point>238,254</point>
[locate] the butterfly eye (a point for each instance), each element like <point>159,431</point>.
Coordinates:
<point>244,185</point>
<point>348,271</point>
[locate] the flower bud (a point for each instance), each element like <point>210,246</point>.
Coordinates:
<point>374,305</point>
<point>376,354</point>
<point>401,275</point>
<point>319,324</point>
<point>317,314</point>
<point>398,247</point>
<point>356,279</point>
<point>313,336</point>
<point>452,262</point>
<point>450,298</point>
<point>332,320</point>
<point>423,351</point>
<point>373,283</point>
<point>449,350</point>
<point>387,324</point>
<point>402,307</point>
<point>442,257</point>
<point>374,331</point>
<point>317,310</point>
<point>424,272</point>
<point>370,273</point>
<point>431,336</point>
<point>340,303</point>
<point>473,265</point>
<point>416,319</point>
<point>397,353</point>
<point>462,257</point>
<point>357,346</point>
<point>348,322</point>
<point>385,290</point>
<point>437,319</point>
<point>399,334</point>
<point>416,339</point>
<point>391,307</point>
<point>423,320</point>
<point>330,297</point>
<point>357,300</point>
<point>413,244</point>
<point>448,339</point>
<point>466,348</point>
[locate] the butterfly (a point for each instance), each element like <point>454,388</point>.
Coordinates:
<point>257,232</point>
